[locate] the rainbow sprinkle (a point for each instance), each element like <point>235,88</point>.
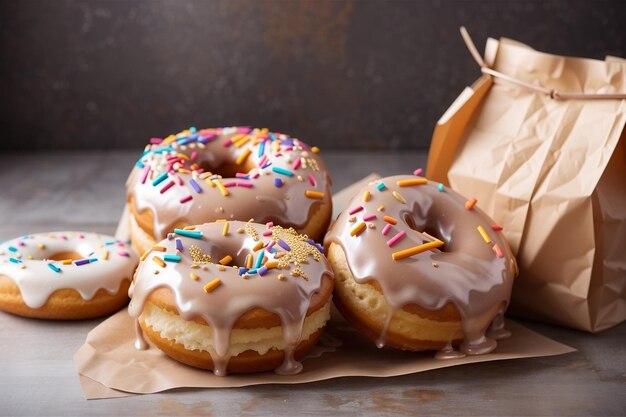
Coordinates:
<point>358,229</point>
<point>159,179</point>
<point>396,256</point>
<point>398,237</point>
<point>469,204</point>
<point>212,285</point>
<point>484,234</point>
<point>194,234</point>
<point>171,258</point>
<point>381,186</point>
<point>282,171</point>
<point>54,268</point>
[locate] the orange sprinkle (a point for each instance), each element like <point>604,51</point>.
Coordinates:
<point>416,249</point>
<point>258,246</point>
<point>315,149</point>
<point>212,285</point>
<point>145,255</point>
<point>469,204</point>
<point>239,142</point>
<point>497,250</point>
<point>225,229</point>
<point>249,260</point>
<point>41,246</point>
<point>358,229</point>
<point>271,264</point>
<point>158,261</point>
<point>193,276</point>
<point>314,194</point>
<point>105,255</point>
<point>67,261</point>
<point>243,156</point>
<point>226,260</point>
<point>390,219</point>
<point>484,234</point>
<point>411,182</point>
<point>366,196</point>
<point>158,248</point>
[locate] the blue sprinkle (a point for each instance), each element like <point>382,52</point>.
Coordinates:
<point>259,259</point>
<point>195,186</point>
<point>54,268</point>
<point>263,270</point>
<point>252,271</point>
<point>287,142</point>
<point>381,186</point>
<point>81,262</point>
<point>159,179</point>
<point>261,148</point>
<point>12,248</point>
<point>179,245</point>
<point>139,164</point>
<point>282,171</point>
<point>15,260</point>
<point>192,129</point>
<point>171,258</point>
<point>271,250</point>
<point>194,234</point>
<point>109,243</point>
<point>440,188</point>
<point>272,136</point>
<point>92,260</point>
<point>242,270</point>
<point>278,182</point>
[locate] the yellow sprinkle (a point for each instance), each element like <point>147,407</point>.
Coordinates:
<point>221,220</point>
<point>169,139</point>
<point>193,276</point>
<point>416,249</point>
<point>159,248</point>
<point>366,196</point>
<point>194,266</point>
<point>314,194</point>
<point>315,149</point>
<point>357,229</point>
<point>243,156</point>
<point>105,255</point>
<point>66,261</point>
<point>41,246</point>
<point>258,246</point>
<point>399,197</point>
<point>184,171</point>
<point>221,268</point>
<point>212,285</point>
<point>190,228</point>
<point>205,175</point>
<point>380,208</point>
<point>484,234</point>
<point>183,156</point>
<point>241,141</point>
<point>226,260</point>
<point>280,277</point>
<point>223,189</point>
<point>271,264</point>
<point>469,204</point>
<point>249,261</point>
<point>145,255</point>
<point>435,265</point>
<point>158,261</point>
<point>414,181</point>
<point>210,182</point>
<point>225,229</point>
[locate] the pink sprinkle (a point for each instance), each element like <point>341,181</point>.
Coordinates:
<point>179,179</point>
<point>169,167</point>
<point>185,199</point>
<point>63,237</point>
<point>267,232</point>
<point>369,217</point>
<point>355,210</point>
<point>227,143</point>
<point>417,172</point>
<point>144,174</point>
<point>396,238</point>
<point>243,129</point>
<point>386,229</point>
<point>167,187</point>
<point>241,175</point>
<point>155,141</point>
<point>229,184</point>
<point>289,148</point>
<point>120,244</point>
<point>263,160</point>
<point>278,154</point>
<point>269,245</point>
<point>255,175</point>
<point>20,243</point>
<point>193,156</point>
<point>244,184</point>
<point>123,253</point>
<point>312,180</point>
<point>269,224</point>
<point>297,163</point>
<point>81,236</point>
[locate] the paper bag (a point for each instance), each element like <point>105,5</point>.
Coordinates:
<point>551,168</point>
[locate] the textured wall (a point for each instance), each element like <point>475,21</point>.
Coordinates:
<point>99,74</point>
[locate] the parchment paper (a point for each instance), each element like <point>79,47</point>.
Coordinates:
<point>109,366</point>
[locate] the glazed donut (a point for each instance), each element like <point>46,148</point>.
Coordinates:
<point>417,267</point>
<point>233,297</point>
<point>65,275</point>
<point>238,173</point>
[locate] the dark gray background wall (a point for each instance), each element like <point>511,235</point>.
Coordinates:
<point>376,75</point>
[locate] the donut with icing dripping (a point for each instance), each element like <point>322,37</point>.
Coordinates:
<point>233,297</point>
<point>419,267</point>
<point>235,173</point>
<point>65,275</point>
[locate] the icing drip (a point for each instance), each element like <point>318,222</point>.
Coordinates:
<point>241,288</point>
<point>430,251</point>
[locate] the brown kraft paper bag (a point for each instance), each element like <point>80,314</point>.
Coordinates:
<point>539,140</point>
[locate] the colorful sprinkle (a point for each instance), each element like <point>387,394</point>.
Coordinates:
<point>226,260</point>
<point>440,188</point>
<point>416,250</point>
<point>41,246</point>
<point>355,210</point>
<point>399,197</point>
<point>221,187</point>
<point>54,268</point>
<point>496,227</point>
<point>243,156</point>
<point>195,186</point>
<point>261,148</point>
<point>381,186</point>
<point>194,234</point>
<point>159,179</point>
<point>484,234</point>
<point>469,204</point>
<point>278,182</point>
<point>212,285</point>
<point>366,196</point>
<point>399,236</point>
<point>316,195</point>
<point>168,257</point>
<point>282,171</point>
<point>69,261</point>
<point>263,270</point>
<point>81,262</point>
<point>145,173</point>
<point>166,187</point>
<point>124,253</point>
<point>315,149</point>
<point>390,220</point>
<point>259,260</point>
<point>258,246</point>
<point>312,180</point>
<point>369,217</point>
<point>412,182</point>
<point>418,172</point>
<point>179,244</point>
<point>159,248</point>
<point>225,229</point>
<point>249,260</point>
<point>296,164</point>
<point>283,245</point>
<point>386,230</point>
<point>12,248</point>
<point>497,250</point>
<point>15,260</point>
<point>105,256</point>
<point>358,229</point>
<point>185,199</point>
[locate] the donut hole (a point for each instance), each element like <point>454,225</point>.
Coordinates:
<point>61,256</point>
<point>227,169</point>
<point>428,230</point>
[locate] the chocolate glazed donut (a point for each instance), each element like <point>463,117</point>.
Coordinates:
<point>418,267</point>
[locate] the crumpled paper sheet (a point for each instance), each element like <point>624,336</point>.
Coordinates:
<point>109,365</point>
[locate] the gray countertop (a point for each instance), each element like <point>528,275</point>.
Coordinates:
<point>85,191</point>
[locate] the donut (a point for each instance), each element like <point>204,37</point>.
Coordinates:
<point>65,275</point>
<point>233,297</point>
<point>237,173</point>
<point>419,267</point>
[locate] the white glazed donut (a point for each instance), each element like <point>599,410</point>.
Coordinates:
<point>65,275</point>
